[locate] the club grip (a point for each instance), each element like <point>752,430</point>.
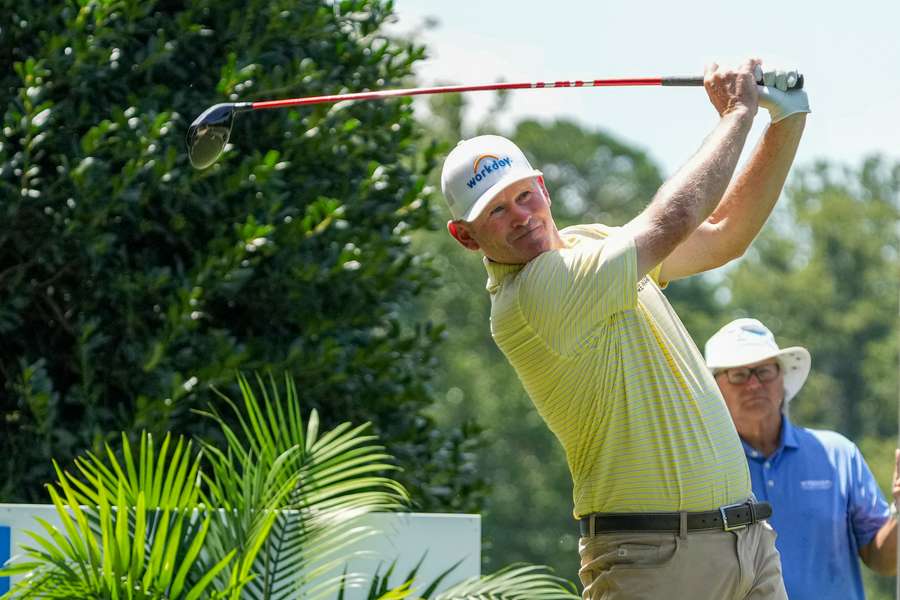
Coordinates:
<point>698,81</point>
<point>682,81</point>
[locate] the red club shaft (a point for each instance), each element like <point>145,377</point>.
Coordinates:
<point>470,88</point>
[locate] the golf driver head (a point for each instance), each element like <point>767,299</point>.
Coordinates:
<point>209,133</point>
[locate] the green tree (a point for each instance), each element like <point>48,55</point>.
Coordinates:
<point>130,283</point>
<point>825,275</point>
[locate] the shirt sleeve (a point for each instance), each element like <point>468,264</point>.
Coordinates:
<point>868,508</point>
<point>567,293</point>
<point>654,274</point>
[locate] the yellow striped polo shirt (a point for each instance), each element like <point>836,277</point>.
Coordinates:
<point>617,378</point>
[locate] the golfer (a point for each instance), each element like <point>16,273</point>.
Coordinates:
<point>661,488</point>
<point>829,511</point>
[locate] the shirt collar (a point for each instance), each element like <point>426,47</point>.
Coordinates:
<point>498,272</point>
<point>788,434</point>
<point>788,439</point>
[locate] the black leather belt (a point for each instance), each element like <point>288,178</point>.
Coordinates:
<point>726,518</point>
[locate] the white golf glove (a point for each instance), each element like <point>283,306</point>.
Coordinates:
<point>777,96</point>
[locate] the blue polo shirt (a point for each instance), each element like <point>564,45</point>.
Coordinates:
<point>826,505</point>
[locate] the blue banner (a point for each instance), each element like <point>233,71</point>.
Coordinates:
<point>5,547</point>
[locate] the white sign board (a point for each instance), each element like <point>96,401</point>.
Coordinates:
<point>404,538</point>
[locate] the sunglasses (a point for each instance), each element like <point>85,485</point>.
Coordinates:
<point>741,375</point>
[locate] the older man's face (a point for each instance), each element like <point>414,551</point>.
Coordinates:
<point>753,393</point>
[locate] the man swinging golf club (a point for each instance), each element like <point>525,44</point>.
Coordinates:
<point>661,488</point>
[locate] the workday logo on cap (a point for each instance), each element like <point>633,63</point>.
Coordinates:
<point>477,170</point>
<point>492,163</point>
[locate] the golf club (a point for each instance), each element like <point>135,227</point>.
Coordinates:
<point>209,132</point>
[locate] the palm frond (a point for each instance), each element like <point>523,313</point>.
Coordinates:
<point>275,516</point>
<point>331,479</point>
<point>245,523</point>
<point>516,582</point>
<point>112,543</point>
<point>380,584</point>
<point>165,479</point>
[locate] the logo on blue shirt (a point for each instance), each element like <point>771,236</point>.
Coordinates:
<point>811,485</point>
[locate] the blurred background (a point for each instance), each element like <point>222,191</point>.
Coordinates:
<point>132,286</point>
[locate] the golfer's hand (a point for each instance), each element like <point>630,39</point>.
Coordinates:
<point>732,90</point>
<point>777,96</point>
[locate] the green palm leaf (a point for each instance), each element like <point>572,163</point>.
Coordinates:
<point>522,582</point>
<point>276,519</point>
<point>331,480</point>
<point>113,543</point>
<point>516,582</point>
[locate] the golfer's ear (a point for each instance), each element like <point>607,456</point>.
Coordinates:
<point>540,180</point>
<point>461,234</point>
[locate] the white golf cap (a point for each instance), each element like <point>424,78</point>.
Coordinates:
<point>477,170</point>
<point>747,341</point>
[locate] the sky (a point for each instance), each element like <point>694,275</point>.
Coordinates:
<point>849,53</point>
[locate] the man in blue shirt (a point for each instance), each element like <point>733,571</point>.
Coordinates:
<point>827,508</point>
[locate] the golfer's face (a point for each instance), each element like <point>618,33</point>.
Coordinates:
<point>516,226</point>
<point>753,392</point>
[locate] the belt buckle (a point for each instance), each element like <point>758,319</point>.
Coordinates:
<point>725,524</point>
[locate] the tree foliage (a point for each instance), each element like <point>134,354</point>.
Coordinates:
<point>826,275</point>
<point>130,283</point>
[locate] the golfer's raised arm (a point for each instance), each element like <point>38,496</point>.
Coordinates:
<point>749,200</point>
<point>688,198</point>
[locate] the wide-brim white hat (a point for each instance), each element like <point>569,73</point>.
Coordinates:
<point>747,341</point>
<point>478,169</point>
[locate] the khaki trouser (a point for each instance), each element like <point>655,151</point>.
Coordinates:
<point>703,565</point>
